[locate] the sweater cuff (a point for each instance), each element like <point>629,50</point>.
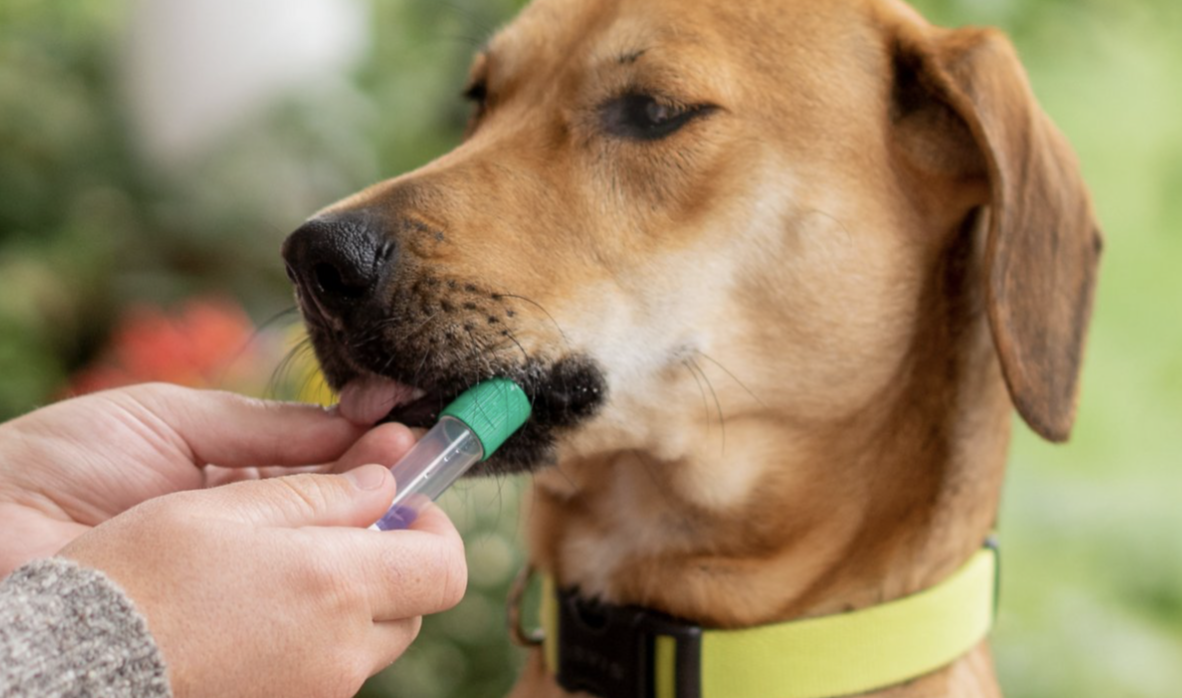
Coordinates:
<point>68,630</point>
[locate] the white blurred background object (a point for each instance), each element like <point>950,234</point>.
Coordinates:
<point>195,69</point>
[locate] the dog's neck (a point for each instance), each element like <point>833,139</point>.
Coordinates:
<point>858,513</point>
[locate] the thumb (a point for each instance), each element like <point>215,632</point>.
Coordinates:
<point>356,498</point>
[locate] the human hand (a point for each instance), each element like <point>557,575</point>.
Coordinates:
<point>268,588</point>
<point>73,465</point>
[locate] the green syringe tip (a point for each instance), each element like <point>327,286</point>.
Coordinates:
<point>493,410</point>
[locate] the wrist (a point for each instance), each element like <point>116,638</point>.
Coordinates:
<point>82,631</point>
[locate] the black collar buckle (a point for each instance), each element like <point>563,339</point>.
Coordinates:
<point>612,651</point>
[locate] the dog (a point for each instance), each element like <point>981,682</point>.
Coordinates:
<point>774,274</point>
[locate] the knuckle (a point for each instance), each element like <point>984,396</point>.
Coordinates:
<point>322,579</point>
<point>349,596</point>
<point>392,569</point>
<point>349,667</point>
<point>413,627</point>
<point>448,576</point>
<point>455,583</point>
<point>304,492</point>
<point>167,513</point>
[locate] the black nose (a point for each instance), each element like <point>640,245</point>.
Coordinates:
<point>338,260</point>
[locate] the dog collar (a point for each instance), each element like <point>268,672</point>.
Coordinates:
<point>632,652</point>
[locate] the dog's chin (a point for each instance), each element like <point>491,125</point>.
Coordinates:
<point>563,393</point>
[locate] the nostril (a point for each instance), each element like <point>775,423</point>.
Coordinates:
<point>329,282</point>
<point>291,273</point>
<point>338,261</point>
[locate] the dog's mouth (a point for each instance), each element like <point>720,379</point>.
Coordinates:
<point>405,351</point>
<point>372,399</point>
<point>563,393</point>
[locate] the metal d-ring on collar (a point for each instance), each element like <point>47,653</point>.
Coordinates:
<point>611,650</point>
<point>517,632</point>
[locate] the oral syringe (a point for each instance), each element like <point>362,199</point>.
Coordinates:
<point>469,430</point>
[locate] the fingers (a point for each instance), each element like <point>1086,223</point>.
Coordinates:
<point>416,576</point>
<point>235,431</point>
<point>401,574</point>
<point>216,475</point>
<point>433,520</point>
<point>30,534</point>
<point>385,444</point>
<point>398,574</point>
<point>418,571</point>
<point>357,499</point>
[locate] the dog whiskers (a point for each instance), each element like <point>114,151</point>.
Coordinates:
<point>575,489</point>
<point>524,354</point>
<point>410,334</point>
<point>309,379</point>
<point>735,378</point>
<point>695,368</point>
<point>561,333</point>
<point>701,389</point>
<point>282,371</point>
<point>254,336</point>
<point>470,16</point>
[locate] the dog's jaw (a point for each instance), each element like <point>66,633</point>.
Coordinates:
<point>564,393</point>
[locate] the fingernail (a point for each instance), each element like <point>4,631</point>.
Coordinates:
<point>367,477</point>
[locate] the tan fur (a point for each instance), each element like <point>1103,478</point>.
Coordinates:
<point>808,304</point>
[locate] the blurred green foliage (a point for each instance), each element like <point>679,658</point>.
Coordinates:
<point>1092,598</point>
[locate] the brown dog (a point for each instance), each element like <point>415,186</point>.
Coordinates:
<point>767,270</point>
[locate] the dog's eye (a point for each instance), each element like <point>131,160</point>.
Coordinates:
<point>477,94</point>
<point>644,117</point>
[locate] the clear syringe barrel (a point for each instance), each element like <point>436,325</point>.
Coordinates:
<point>469,430</point>
<point>436,461</point>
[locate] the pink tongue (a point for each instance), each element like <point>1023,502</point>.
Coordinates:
<point>366,400</point>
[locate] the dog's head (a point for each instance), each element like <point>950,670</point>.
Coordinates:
<point>666,213</point>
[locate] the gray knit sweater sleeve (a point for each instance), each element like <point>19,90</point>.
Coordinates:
<point>66,630</point>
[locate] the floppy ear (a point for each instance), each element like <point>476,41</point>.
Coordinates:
<point>1044,244</point>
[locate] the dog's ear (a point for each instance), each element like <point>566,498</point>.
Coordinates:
<point>1044,244</point>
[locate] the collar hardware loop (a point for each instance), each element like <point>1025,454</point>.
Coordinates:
<point>626,651</point>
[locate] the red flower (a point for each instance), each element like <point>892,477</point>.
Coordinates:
<point>206,344</point>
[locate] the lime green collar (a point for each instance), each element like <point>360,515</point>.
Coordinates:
<point>625,652</point>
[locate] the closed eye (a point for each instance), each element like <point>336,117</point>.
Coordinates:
<point>644,117</point>
<point>477,92</point>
